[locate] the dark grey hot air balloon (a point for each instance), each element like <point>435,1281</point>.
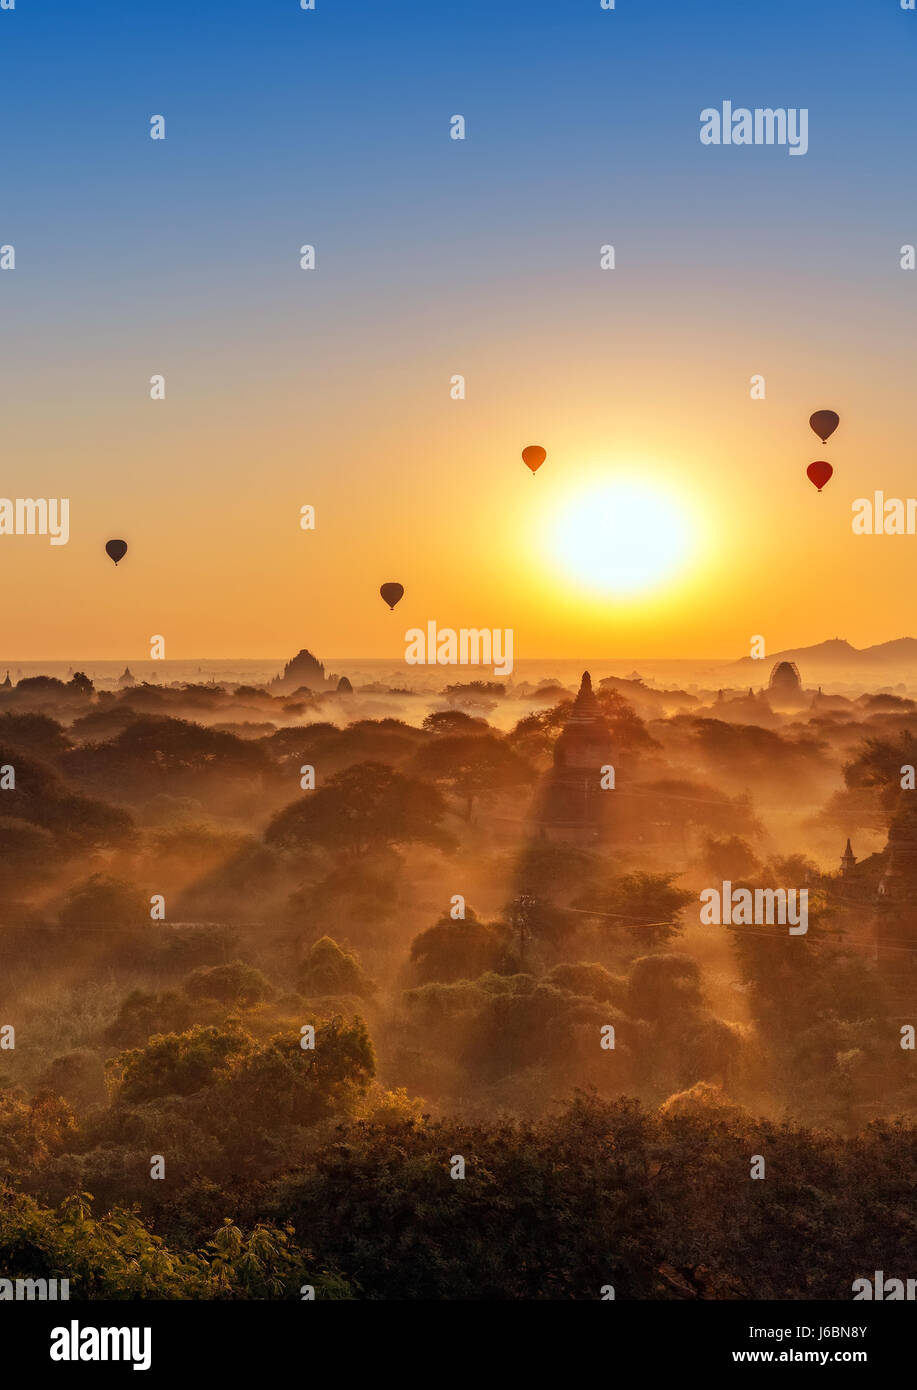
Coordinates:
<point>116,550</point>
<point>392,593</point>
<point>824,423</point>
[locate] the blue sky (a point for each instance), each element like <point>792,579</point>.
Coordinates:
<point>332,121</point>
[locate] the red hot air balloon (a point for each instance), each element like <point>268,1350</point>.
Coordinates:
<point>392,593</point>
<point>533,457</point>
<point>819,472</point>
<point>116,550</point>
<point>824,423</point>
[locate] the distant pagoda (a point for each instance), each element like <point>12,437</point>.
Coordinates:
<point>848,860</point>
<point>896,897</point>
<point>571,804</point>
<point>785,679</point>
<point>784,689</point>
<point>898,883</point>
<point>304,670</point>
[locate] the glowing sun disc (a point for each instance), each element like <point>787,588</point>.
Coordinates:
<point>621,538</point>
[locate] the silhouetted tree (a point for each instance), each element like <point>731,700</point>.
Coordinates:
<point>365,807</point>
<point>473,766</point>
<point>462,949</point>
<point>329,970</point>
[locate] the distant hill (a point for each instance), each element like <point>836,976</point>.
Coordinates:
<point>836,657</point>
<point>901,649</point>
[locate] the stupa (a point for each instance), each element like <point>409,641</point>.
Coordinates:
<point>304,670</point>
<point>572,804</point>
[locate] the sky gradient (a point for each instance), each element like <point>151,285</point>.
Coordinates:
<point>437,257</point>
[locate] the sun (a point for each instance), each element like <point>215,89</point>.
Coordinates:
<point>622,537</point>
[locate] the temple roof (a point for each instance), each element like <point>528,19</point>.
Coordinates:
<point>585,707</point>
<point>785,676</point>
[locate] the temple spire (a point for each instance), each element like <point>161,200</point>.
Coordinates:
<point>585,706</point>
<point>572,803</point>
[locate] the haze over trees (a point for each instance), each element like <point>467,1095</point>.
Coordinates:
<point>308,999</point>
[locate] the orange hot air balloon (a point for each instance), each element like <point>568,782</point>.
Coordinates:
<point>392,593</point>
<point>534,456</point>
<point>824,423</point>
<point>819,472</point>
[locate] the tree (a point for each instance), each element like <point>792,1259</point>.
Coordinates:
<point>80,684</point>
<point>104,902</point>
<point>282,1084</point>
<point>662,986</point>
<point>365,807</point>
<point>473,766</point>
<point>141,1015</point>
<point>178,1064</point>
<point>490,690</point>
<point>233,983</point>
<point>878,765</point>
<point>329,970</point>
<point>746,752</point>
<point>26,851</point>
<point>359,898</point>
<point>674,803</point>
<point>35,733</point>
<point>730,857</point>
<point>40,795</point>
<point>628,730</point>
<point>454,721</point>
<point>40,685</point>
<point>151,755</point>
<point>115,1256</point>
<point>648,904</point>
<point>461,950</point>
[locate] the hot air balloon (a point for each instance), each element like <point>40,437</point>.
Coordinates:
<point>116,550</point>
<point>819,472</point>
<point>824,423</point>
<point>533,456</point>
<point>392,593</point>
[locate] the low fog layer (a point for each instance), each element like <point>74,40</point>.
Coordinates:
<point>193,874</point>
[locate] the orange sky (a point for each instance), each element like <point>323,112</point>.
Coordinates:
<point>408,484</point>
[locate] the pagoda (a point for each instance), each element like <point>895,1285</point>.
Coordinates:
<point>304,672</point>
<point>896,898</point>
<point>848,859</point>
<point>572,804</point>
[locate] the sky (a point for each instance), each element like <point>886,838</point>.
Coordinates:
<point>672,517</point>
